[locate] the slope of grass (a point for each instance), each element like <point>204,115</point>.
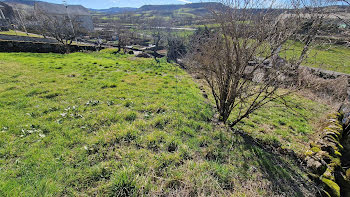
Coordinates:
<point>97,124</point>
<point>291,128</point>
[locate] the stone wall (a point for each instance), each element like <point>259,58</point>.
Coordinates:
<point>329,157</point>
<point>39,47</point>
<point>326,74</point>
<point>26,38</point>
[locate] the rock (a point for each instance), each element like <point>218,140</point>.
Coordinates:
<point>345,111</point>
<point>329,174</point>
<point>335,135</point>
<point>313,164</point>
<point>144,55</point>
<point>322,154</point>
<point>327,155</point>
<point>309,153</point>
<point>313,144</point>
<point>344,108</point>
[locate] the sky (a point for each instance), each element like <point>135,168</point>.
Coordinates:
<point>102,4</point>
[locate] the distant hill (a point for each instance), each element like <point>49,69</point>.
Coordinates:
<point>176,7</point>
<point>114,10</point>
<point>161,8</point>
<point>179,15</point>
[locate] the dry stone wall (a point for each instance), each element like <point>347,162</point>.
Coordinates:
<point>26,38</point>
<point>329,157</point>
<point>38,47</point>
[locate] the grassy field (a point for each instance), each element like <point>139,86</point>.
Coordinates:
<point>98,124</point>
<point>329,57</point>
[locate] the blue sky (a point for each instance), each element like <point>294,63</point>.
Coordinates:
<point>98,4</point>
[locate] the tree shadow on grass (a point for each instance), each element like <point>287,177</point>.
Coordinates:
<point>285,172</point>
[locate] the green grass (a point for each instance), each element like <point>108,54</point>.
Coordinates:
<point>329,57</point>
<point>19,33</point>
<point>291,128</point>
<point>98,124</point>
<point>179,33</point>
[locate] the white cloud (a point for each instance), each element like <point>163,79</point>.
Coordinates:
<point>185,1</point>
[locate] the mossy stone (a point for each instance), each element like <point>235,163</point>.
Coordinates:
<point>329,174</point>
<point>334,116</point>
<point>335,161</point>
<point>315,149</point>
<point>313,144</point>
<point>335,130</point>
<point>332,137</point>
<point>309,153</point>
<point>337,154</point>
<point>332,188</point>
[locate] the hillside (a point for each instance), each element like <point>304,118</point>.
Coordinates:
<point>93,124</point>
<point>159,8</point>
<point>176,7</point>
<point>114,10</point>
<point>25,2</point>
<point>178,15</point>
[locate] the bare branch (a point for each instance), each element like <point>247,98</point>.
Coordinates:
<point>240,58</point>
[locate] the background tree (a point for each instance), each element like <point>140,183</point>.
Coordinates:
<point>176,48</point>
<point>123,37</point>
<point>63,28</point>
<point>240,60</point>
<point>158,28</point>
<point>345,20</point>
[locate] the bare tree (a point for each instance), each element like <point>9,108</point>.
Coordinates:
<point>158,28</point>
<point>176,48</point>
<point>123,36</point>
<point>240,60</point>
<point>345,20</point>
<point>344,1</point>
<point>65,29</point>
